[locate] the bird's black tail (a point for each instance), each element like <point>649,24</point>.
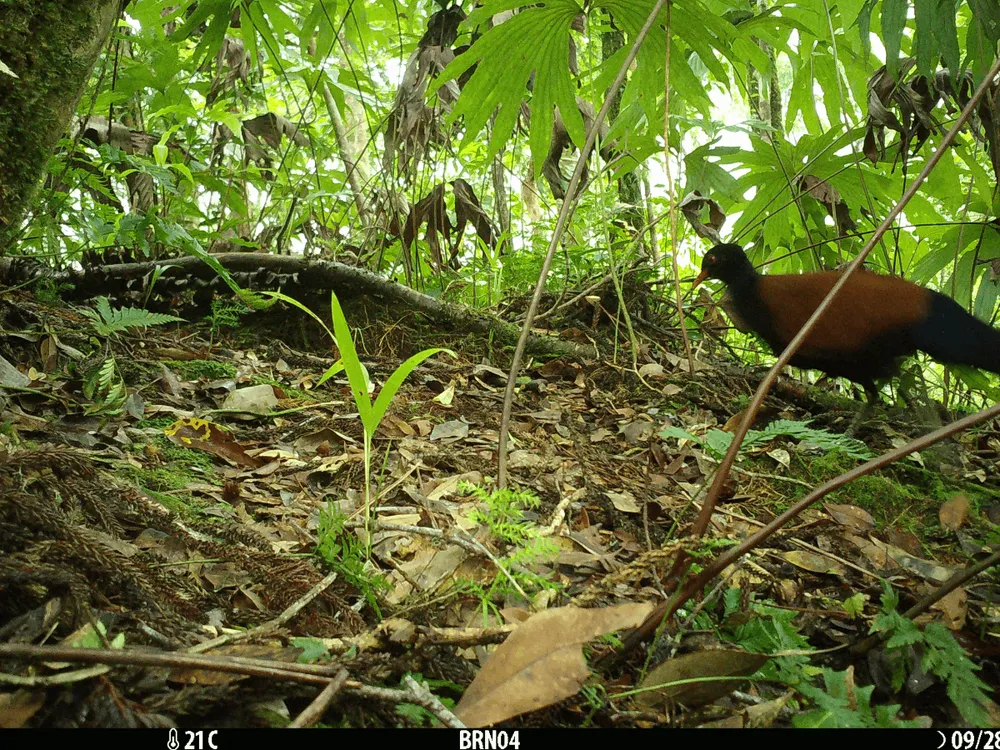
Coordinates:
<point>952,336</point>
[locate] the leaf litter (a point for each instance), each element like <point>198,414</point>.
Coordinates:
<point>191,520</point>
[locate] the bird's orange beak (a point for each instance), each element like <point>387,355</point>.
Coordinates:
<point>701,277</point>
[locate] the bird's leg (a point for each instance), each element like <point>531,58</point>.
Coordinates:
<point>871,398</point>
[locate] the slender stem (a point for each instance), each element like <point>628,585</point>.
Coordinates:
<point>672,197</point>
<point>369,514</point>
<point>561,221</point>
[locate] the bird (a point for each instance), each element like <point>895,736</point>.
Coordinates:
<point>872,323</point>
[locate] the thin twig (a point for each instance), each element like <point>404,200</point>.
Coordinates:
<point>310,673</point>
<point>561,221</point>
<point>672,198</point>
<point>432,703</point>
<point>272,625</point>
<point>315,710</point>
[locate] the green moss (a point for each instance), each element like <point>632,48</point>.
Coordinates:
<point>159,423</point>
<point>202,368</point>
<point>184,507</point>
<point>179,457</point>
<point>158,479</point>
<point>903,494</point>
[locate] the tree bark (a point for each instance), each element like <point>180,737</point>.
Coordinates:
<point>51,47</point>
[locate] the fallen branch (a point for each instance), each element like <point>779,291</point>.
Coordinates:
<point>309,275</point>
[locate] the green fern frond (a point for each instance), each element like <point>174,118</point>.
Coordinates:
<point>108,321</point>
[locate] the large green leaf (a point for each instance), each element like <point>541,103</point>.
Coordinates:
<point>946,33</point>
<point>923,39</point>
<point>536,40</point>
<point>893,23</point>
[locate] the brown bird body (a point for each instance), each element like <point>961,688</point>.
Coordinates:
<point>873,321</point>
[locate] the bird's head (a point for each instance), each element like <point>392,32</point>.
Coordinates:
<point>727,263</point>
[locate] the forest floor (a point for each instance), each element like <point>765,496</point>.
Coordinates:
<point>176,490</point>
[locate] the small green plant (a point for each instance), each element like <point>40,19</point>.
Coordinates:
<point>105,389</point>
<point>942,657</point>
<point>838,703</point>
<point>48,292</point>
<point>224,314</point>
<point>502,512</point>
<point>313,650</point>
<point>841,704</point>
<point>717,441</point>
<point>106,321</point>
<point>341,549</point>
<point>740,402</point>
<point>855,605</point>
<point>357,376</point>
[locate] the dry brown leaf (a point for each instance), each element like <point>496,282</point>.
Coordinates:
<point>49,351</point>
<point>954,512</point>
<point>653,371</point>
<point>452,430</point>
<point>541,662</point>
<point>781,456</point>
<point>201,435</point>
<point>256,399</point>
<point>17,707</point>
<point>623,501</point>
<point>814,562</point>
<point>693,205</point>
<point>671,677</point>
<point>875,551</point>
<point>736,721</point>
<point>926,569</point>
<point>856,519</point>
<point>600,434</point>
<point>734,421</point>
<point>905,540</point>
<point>764,714</point>
<point>954,608</point>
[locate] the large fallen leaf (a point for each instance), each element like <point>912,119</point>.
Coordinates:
<point>681,680</point>
<point>954,608</point>
<point>623,501</point>
<point>541,662</point>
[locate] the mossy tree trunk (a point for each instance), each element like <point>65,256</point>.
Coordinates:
<point>51,46</point>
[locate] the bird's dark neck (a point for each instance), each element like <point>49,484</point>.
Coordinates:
<point>744,292</point>
<point>744,280</point>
